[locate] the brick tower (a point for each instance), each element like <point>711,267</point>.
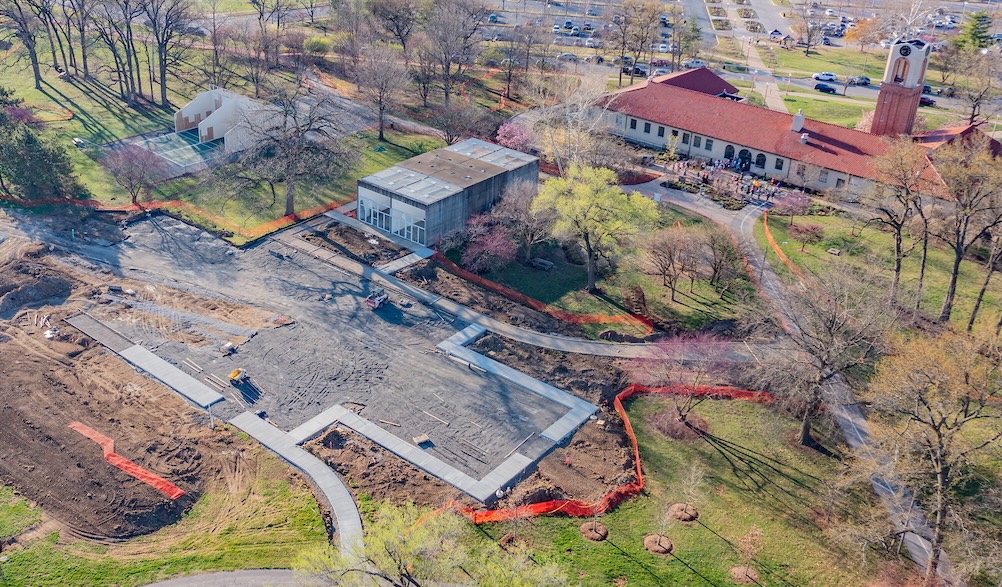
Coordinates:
<point>901,88</point>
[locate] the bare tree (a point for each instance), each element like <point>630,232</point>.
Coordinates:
<point>451,27</point>
<point>136,169</point>
<point>994,259</point>
<point>837,324</point>
<point>425,67</point>
<point>671,253</point>
<point>382,77</point>
<point>571,123</point>
<point>901,17</point>
<point>113,20</point>
<point>215,63</point>
<point>644,22</point>
<point>930,393</point>
<point>978,88</point>
<point>354,23</point>
<point>166,18</point>
<point>528,226</point>
<point>254,45</point>
<point>398,18</point>
<point>900,173</point>
<point>79,13</point>
<point>686,362</point>
<point>973,179</point>
<point>807,27</point>
<point>298,140</point>
<point>311,7</point>
<point>26,27</point>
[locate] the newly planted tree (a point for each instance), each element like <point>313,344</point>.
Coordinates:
<point>136,169</point>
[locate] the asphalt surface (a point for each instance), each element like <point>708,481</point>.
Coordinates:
<point>252,578</point>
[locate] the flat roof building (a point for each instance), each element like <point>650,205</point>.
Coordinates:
<point>429,196</point>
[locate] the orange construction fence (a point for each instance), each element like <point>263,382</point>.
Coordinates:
<point>578,508</point>
<point>569,317</point>
<point>108,446</point>
<point>779,252</point>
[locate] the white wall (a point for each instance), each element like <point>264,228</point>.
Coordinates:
<point>200,107</point>
<point>620,124</point>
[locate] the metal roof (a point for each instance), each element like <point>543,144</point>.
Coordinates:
<point>441,173</point>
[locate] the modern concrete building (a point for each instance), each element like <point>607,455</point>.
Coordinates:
<point>221,114</point>
<point>429,196</point>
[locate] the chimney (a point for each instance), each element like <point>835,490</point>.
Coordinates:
<point>804,137</point>
<point>798,120</point>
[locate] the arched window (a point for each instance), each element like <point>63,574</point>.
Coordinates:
<point>729,152</point>
<point>760,160</point>
<point>900,70</point>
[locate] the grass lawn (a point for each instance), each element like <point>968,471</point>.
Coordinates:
<point>563,286</point>
<point>842,61</point>
<point>753,478</point>
<point>16,514</point>
<point>260,521</point>
<point>874,249</point>
<point>832,111</point>
<point>248,208</point>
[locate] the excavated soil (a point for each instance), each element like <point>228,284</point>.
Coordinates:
<point>431,276</point>
<point>357,245</point>
<point>378,473</point>
<point>46,384</point>
<point>597,458</point>
<point>658,544</point>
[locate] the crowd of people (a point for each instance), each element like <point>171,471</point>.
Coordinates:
<point>727,175</point>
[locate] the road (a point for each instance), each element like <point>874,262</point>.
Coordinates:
<point>251,578</point>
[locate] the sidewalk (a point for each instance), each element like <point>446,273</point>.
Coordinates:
<point>765,83</point>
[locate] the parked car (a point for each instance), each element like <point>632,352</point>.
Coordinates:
<point>660,71</point>
<point>926,101</point>
<point>663,48</point>
<point>830,12</point>
<point>825,88</point>
<point>694,63</point>
<point>859,80</point>
<point>826,41</point>
<point>825,76</point>
<point>592,12</point>
<point>492,18</point>
<point>556,29</point>
<point>567,57</point>
<point>594,58</point>
<point>575,32</point>
<point>591,43</point>
<point>926,89</point>
<point>568,24</point>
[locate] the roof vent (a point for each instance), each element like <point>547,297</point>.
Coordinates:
<point>798,120</point>
<point>804,137</point>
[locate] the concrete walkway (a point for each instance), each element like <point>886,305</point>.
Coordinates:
<point>765,84</point>
<point>348,523</point>
<point>249,578</point>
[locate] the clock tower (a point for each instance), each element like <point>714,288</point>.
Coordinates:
<point>901,88</point>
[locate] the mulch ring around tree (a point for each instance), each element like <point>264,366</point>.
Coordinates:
<point>594,531</point>
<point>658,544</point>
<point>683,512</point>
<point>744,575</point>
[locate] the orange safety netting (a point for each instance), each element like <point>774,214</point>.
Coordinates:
<point>578,508</point>
<point>252,233</point>
<point>148,477</point>
<point>569,317</point>
<point>779,252</point>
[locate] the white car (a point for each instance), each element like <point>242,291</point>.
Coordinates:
<point>694,63</point>
<point>830,12</point>
<point>825,76</point>
<point>663,48</point>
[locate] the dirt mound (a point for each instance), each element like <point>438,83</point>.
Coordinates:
<point>27,283</point>
<point>594,531</point>
<point>378,473</point>
<point>683,512</point>
<point>668,423</point>
<point>658,544</point>
<point>744,575</point>
<point>534,490</point>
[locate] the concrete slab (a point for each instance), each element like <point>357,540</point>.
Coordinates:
<point>171,376</point>
<point>99,331</point>
<point>466,335</point>
<point>312,428</point>
<point>349,523</point>
<point>404,262</point>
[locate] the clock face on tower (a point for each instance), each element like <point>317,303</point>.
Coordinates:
<point>905,51</point>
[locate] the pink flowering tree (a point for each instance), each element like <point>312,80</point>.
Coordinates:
<point>807,234</point>
<point>516,136</point>
<point>491,250</point>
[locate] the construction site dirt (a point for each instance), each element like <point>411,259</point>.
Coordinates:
<point>48,383</point>
<point>300,329</point>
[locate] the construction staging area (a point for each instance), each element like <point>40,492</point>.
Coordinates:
<point>192,311</point>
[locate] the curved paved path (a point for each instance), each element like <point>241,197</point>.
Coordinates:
<point>251,578</point>
<point>897,499</point>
